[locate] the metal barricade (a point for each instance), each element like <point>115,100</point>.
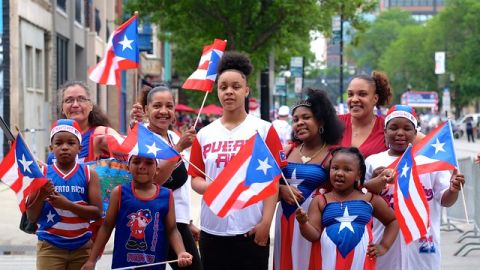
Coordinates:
<point>456,212</point>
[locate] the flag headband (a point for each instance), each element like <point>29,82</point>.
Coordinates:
<point>68,126</point>
<point>404,114</point>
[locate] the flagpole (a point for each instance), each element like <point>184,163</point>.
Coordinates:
<point>145,265</point>
<point>291,191</point>
<point>198,169</point>
<point>135,89</point>
<point>200,110</point>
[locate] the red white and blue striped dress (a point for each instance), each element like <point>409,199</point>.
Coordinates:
<point>291,250</point>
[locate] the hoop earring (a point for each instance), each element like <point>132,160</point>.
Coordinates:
<point>321,130</point>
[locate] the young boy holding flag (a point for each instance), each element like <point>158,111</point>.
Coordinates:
<point>437,189</point>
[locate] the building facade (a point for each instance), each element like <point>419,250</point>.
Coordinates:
<point>51,42</point>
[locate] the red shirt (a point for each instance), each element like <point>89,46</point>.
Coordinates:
<point>375,142</point>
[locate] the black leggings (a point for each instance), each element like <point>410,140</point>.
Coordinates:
<point>190,247</point>
<point>232,252</point>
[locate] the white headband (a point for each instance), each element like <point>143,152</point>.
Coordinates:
<point>403,114</point>
<point>66,128</point>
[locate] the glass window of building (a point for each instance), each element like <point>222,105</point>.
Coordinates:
<point>62,4</point>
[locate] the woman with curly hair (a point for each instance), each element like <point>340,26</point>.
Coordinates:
<point>363,128</point>
<point>241,239</point>
<point>316,128</point>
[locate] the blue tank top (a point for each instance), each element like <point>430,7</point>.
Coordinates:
<point>140,233</point>
<point>63,228</point>
<point>345,223</point>
<point>306,177</point>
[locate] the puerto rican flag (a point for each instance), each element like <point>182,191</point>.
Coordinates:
<point>121,54</point>
<point>251,176</point>
<point>436,152</point>
<point>411,206</point>
<point>142,142</point>
<point>20,172</point>
<point>204,77</point>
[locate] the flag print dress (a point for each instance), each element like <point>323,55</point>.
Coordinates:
<point>346,235</point>
<point>291,250</point>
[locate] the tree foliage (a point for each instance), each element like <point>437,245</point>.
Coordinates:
<point>406,52</point>
<point>372,43</point>
<point>256,27</point>
<point>408,62</point>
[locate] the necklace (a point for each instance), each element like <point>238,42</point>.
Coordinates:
<point>356,131</point>
<point>306,159</point>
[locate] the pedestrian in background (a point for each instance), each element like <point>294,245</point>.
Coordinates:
<point>469,128</point>
<point>281,125</point>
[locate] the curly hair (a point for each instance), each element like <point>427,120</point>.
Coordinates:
<point>96,117</point>
<point>381,84</point>
<point>232,60</point>
<point>355,152</point>
<point>323,111</point>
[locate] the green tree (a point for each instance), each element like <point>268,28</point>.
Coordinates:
<point>253,26</point>
<point>369,46</point>
<point>461,44</point>
<point>408,62</point>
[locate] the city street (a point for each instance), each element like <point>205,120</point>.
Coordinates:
<point>17,249</point>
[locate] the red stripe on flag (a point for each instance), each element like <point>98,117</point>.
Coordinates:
<point>369,263</point>
<point>315,256</point>
<point>226,175</point>
<point>344,263</point>
<point>434,166</point>
<point>108,65</point>
<point>200,85</point>
<point>266,192</point>
<point>17,185</point>
<point>286,240</point>
<point>8,161</point>
<point>401,220</point>
<point>232,200</point>
<point>67,233</point>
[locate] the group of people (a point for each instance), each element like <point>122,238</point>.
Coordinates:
<point>336,183</point>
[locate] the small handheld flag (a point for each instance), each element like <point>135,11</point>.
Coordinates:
<point>142,142</point>
<point>20,172</point>
<point>251,176</point>
<point>411,206</point>
<point>204,77</point>
<point>121,54</point>
<point>436,152</point>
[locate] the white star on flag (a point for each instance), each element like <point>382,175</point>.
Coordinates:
<point>126,43</point>
<point>25,163</point>
<point>263,165</point>
<point>346,221</point>
<point>405,170</point>
<point>438,146</point>
<point>50,216</point>
<point>153,149</point>
<point>294,181</point>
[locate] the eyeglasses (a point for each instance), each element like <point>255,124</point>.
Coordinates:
<point>80,99</point>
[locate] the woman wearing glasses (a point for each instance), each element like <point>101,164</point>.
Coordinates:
<point>76,105</point>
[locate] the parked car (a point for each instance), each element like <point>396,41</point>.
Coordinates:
<point>461,124</point>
